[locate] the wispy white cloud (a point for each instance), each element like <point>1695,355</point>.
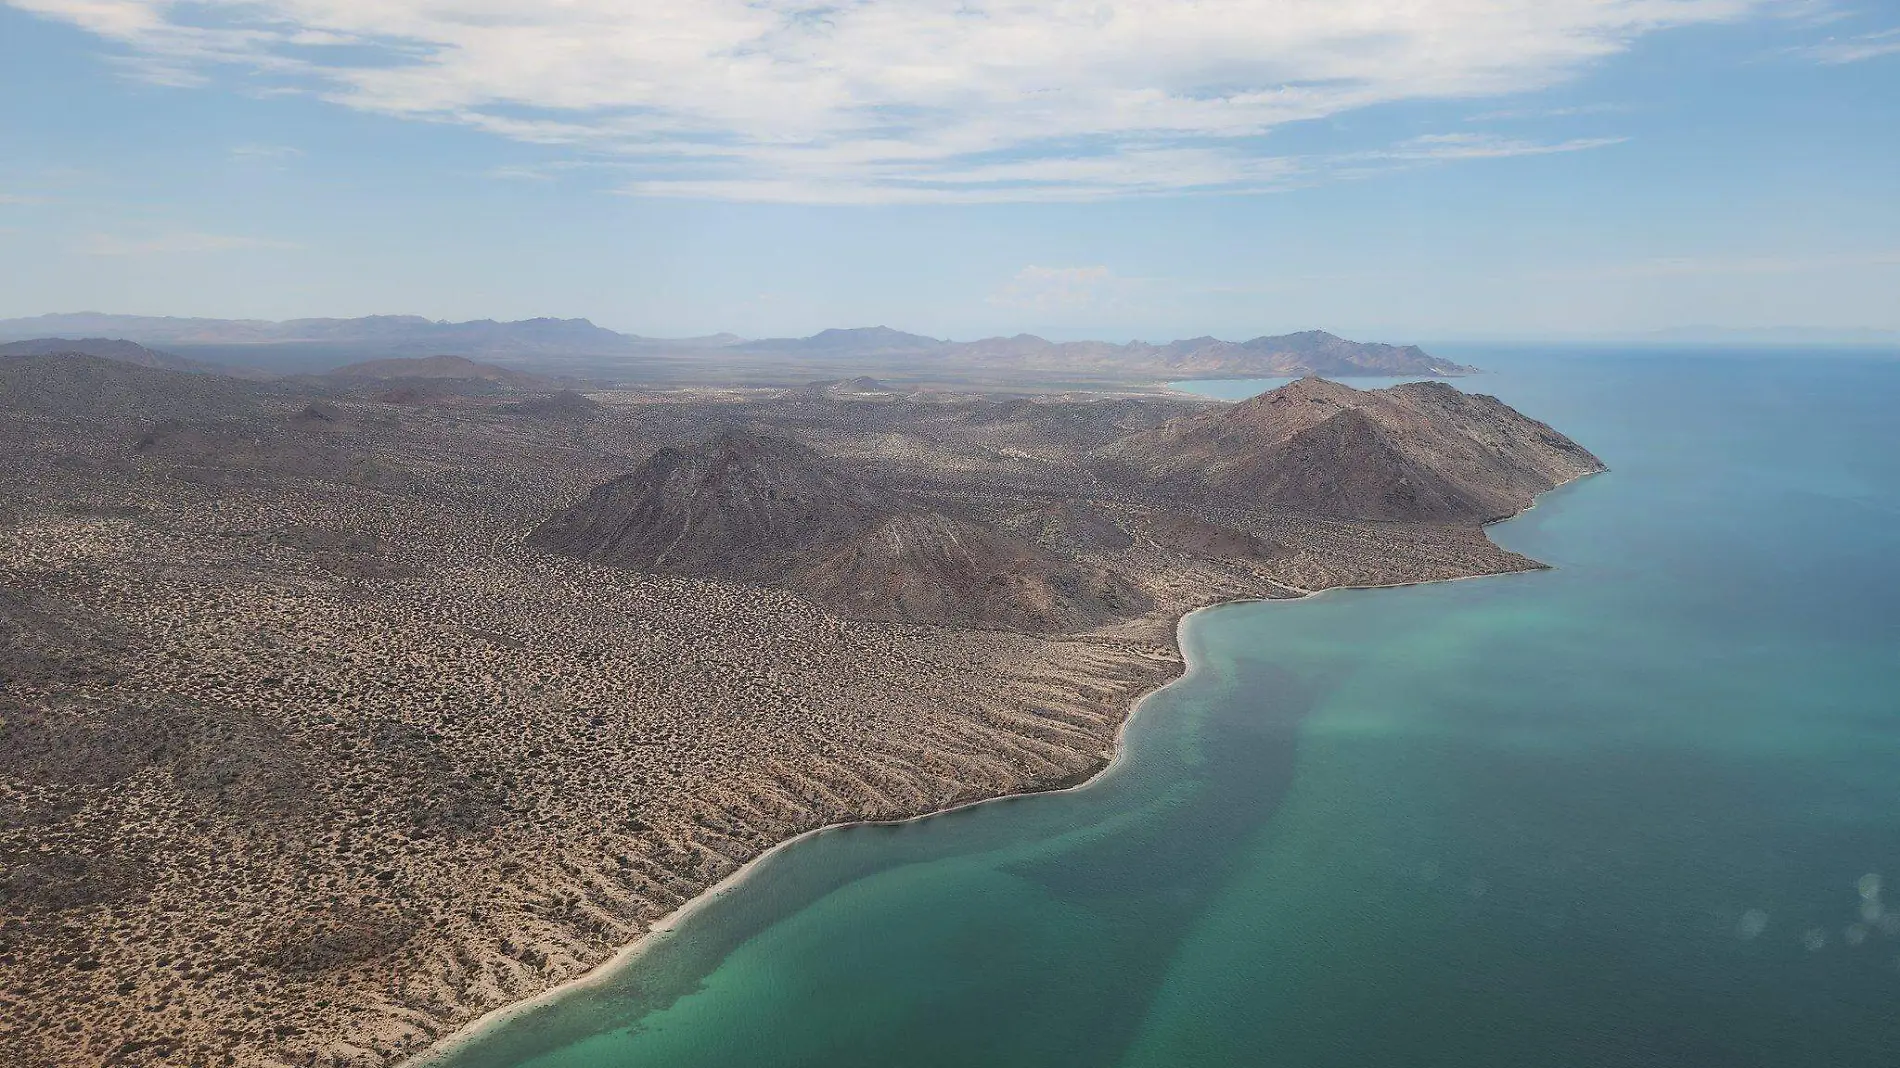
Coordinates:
<point>1439,149</point>
<point>20,198</point>
<point>1840,50</point>
<point>891,99</point>
<point>523,172</point>
<point>175,244</point>
<point>1572,111</point>
<point>798,175</point>
<point>1454,146</point>
<point>539,172</point>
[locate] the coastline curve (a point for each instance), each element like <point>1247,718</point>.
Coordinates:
<point>453,1042</point>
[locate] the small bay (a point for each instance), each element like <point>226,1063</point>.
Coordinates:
<point>1640,809</point>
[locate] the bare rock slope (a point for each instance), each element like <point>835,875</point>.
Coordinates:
<point>742,506</point>
<point>767,508</point>
<point>1423,451</point>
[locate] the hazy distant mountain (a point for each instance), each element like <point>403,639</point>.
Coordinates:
<point>864,341</point>
<point>576,347</point>
<point>1310,352</point>
<point>146,328</point>
<point>388,332</point>
<point>116,350</point>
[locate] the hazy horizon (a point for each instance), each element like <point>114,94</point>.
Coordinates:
<point>1687,335</point>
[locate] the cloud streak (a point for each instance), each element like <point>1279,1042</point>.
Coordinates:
<point>890,99</point>
<point>1839,51</point>
<point>1433,148</point>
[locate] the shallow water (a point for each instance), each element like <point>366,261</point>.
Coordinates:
<point>1620,813</point>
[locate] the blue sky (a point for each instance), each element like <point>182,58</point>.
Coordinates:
<point>1383,169</point>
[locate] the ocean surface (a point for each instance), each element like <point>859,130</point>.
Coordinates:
<point>1639,810</point>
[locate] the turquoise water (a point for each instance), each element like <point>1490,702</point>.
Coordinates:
<point>1634,811</point>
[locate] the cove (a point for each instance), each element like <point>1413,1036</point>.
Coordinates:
<point>1641,809</point>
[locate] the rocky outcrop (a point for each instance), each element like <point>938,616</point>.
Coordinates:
<point>745,506</point>
<point>1420,452</point>
<point>768,509</point>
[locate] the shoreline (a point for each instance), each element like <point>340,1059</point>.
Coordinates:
<point>632,951</point>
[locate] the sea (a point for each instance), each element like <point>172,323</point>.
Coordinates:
<point>1641,810</point>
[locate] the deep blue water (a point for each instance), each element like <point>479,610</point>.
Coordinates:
<point>1640,810</point>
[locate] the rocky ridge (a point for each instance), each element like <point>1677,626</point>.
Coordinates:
<point>1419,452</point>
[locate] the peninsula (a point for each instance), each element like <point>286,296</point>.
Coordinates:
<point>339,710</point>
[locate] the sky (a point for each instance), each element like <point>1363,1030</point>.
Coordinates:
<point>1398,170</point>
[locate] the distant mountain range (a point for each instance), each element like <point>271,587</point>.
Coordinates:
<point>409,332</point>
<point>577,346</point>
<point>1310,352</point>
